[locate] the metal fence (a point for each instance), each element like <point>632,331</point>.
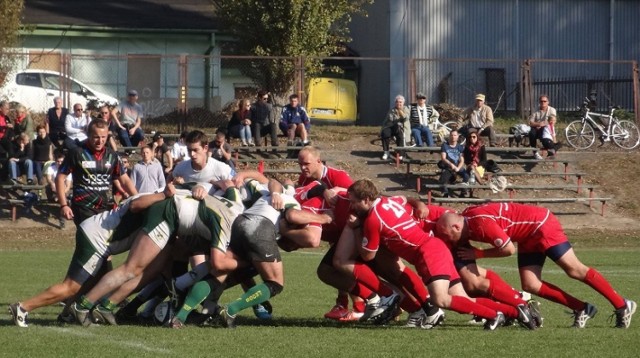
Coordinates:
<point>196,90</point>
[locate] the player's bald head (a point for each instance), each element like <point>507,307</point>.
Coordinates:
<point>449,226</point>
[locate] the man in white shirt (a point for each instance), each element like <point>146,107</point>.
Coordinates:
<point>538,120</point>
<point>179,150</point>
<point>76,127</point>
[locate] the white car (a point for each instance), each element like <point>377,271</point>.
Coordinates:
<point>36,89</point>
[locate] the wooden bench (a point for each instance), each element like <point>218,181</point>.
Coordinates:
<point>512,189</point>
<point>565,175</point>
<point>13,196</point>
<point>554,162</point>
<point>476,201</point>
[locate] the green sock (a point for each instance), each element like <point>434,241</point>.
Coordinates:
<point>85,303</point>
<point>196,295</point>
<point>108,305</point>
<point>255,295</point>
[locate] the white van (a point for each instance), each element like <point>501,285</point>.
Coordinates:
<point>36,89</point>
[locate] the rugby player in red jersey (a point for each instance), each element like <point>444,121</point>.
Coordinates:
<point>386,222</point>
<point>539,235</point>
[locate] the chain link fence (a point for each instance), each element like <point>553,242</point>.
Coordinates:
<point>195,91</point>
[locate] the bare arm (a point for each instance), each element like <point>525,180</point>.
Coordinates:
<point>127,184</point>
<point>144,201</point>
<point>303,217</point>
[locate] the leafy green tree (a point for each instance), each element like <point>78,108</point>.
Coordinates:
<point>10,14</point>
<point>287,28</point>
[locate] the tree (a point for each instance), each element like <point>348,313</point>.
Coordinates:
<point>10,13</point>
<point>286,28</point>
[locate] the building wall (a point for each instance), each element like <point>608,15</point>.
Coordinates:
<point>103,62</point>
<point>371,39</point>
<point>507,31</point>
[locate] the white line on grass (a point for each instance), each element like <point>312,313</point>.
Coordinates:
<point>130,344</point>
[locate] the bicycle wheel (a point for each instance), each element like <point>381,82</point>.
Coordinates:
<point>625,134</point>
<point>450,125</point>
<point>580,135</point>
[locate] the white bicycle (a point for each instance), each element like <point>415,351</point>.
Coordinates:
<point>440,131</point>
<point>581,134</point>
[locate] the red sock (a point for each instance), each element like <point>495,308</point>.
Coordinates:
<point>358,306</point>
<point>600,284</point>
<point>411,282</point>
<point>364,275</point>
<point>409,304</point>
<point>464,305</point>
<point>557,295</point>
<point>500,291</point>
<point>503,288</point>
<point>361,291</point>
<point>509,311</point>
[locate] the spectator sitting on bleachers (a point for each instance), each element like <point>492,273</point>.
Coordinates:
<point>396,124</point>
<point>263,120</point>
<point>421,116</point>
<point>75,126</point>
<point>538,121</point>
<point>480,117</point>
<point>549,141</point>
<point>23,122</point>
<point>119,192</point>
<point>179,150</point>
<point>6,126</point>
<point>108,114</point>
<point>50,179</point>
<point>20,160</point>
<point>147,175</point>
<point>240,124</point>
<point>220,149</point>
<point>55,122</point>
<point>294,121</point>
<point>452,163</point>
<point>475,155</point>
<point>162,153</point>
<point>129,124</point>
<point>42,151</point>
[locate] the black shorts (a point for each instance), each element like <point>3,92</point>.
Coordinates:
<point>253,238</point>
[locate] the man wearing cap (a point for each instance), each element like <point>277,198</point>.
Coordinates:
<point>420,117</point>
<point>480,117</point>
<point>129,131</point>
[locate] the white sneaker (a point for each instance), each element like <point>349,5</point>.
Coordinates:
<point>434,320</point>
<point>244,143</point>
<point>18,315</point>
<point>415,319</point>
<point>385,156</point>
<point>623,315</point>
<point>378,306</point>
<point>580,317</point>
<point>538,156</point>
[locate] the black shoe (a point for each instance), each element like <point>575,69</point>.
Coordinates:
<point>29,181</point>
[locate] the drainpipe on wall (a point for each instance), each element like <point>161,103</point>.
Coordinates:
<point>207,72</point>
<point>611,36</point>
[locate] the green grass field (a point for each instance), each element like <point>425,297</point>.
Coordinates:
<point>298,329</point>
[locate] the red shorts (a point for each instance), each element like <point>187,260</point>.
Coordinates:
<point>435,262</point>
<point>548,235</point>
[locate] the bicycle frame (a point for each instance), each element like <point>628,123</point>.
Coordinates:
<point>600,125</point>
